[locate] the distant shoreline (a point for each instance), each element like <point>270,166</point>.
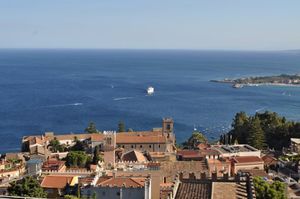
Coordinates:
<point>280,80</point>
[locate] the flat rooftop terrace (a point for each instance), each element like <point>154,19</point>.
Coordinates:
<point>234,148</point>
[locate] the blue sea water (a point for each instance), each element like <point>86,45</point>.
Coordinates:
<point>62,90</point>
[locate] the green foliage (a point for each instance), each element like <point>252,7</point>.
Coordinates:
<point>56,146</point>
<point>27,187</point>
<point>263,129</point>
<point>77,159</point>
<point>97,156</point>
<point>265,190</point>
<point>256,137</point>
<point>70,197</point>
<point>195,139</point>
<point>91,128</point>
<point>79,146</point>
<point>121,127</point>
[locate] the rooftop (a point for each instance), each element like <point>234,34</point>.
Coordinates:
<point>135,182</point>
<point>57,181</point>
<point>229,190</point>
<point>234,148</point>
<point>295,140</point>
<point>247,159</point>
<point>53,165</point>
<point>194,190</point>
<point>134,156</point>
<point>189,153</point>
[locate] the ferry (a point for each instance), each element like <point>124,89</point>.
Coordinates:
<point>150,90</point>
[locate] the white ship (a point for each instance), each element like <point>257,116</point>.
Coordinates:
<point>237,86</point>
<point>150,90</point>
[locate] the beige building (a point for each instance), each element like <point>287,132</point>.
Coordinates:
<point>246,163</point>
<point>157,140</point>
<point>295,145</point>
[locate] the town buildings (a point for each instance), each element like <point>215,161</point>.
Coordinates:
<point>141,164</point>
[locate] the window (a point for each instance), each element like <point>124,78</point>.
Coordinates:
<point>159,146</point>
<point>168,127</point>
<point>141,146</point>
<point>132,146</point>
<point>118,193</point>
<point>123,146</point>
<point>150,146</point>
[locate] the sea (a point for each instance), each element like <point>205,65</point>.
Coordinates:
<point>62,90</point>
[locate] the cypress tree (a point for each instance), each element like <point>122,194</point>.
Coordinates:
<point>121,127</point>
<point>256,136</point>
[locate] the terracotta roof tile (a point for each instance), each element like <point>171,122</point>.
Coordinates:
<point>134,156</point>
<point>53,165</point>
<point>56,182</point>
<point>269,160</point>
<point>193,190</point>
<point>128,139</point>
<point>247,159</point>
<point>189,154</point>
<point>97,137</point>
<point>121,181</point>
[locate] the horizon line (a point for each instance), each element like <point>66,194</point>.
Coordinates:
<point>145,49</point>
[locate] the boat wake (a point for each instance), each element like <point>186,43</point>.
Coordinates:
<point>258,110</point>
<point>63,105</point>
<point>122,98</point>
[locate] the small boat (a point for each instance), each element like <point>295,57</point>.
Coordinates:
<point>150,90</point>
<point>237,86</point>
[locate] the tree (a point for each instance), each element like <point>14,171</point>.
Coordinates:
<point>121,127</point>
<point>91,128</point>
<point>27,187</point>
<point>96,156</point>
<point>256,136</point>
<point>54,144</point>
<point>70,197</point>
<point>77,159</point>
<point>239,126</point>
<point>79,146</point>
<point>265,190</point>
<point>195,139</point>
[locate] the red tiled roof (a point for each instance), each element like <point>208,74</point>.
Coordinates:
<point>202,146</point>
<point>209,151</point>
<point>269,160</point>
<point>194,190</point>
<point>36,140</point>
<point>133,156</point>
<point>97,137</point>
<point>128,139</point>
<point>121,181</point>
<point>189,154</point>
<point>56,182</point>
<point>53,165</point>
<point>83,136</point>
<point>247,159</point>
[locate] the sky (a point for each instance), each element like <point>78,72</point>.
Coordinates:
<point>151,24</point>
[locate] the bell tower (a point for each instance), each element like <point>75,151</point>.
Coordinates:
<point>167,126</point>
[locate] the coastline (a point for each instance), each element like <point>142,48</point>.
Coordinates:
<point>272,84</point>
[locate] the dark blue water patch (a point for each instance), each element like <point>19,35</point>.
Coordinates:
<point>62,90</point>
